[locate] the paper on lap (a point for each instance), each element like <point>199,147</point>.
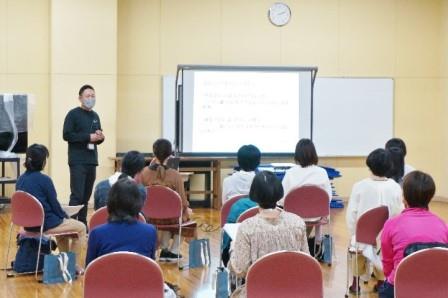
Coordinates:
<point>71,210</point>
<point>231,229</point>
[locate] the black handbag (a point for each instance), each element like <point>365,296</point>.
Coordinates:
<point>414,247</point>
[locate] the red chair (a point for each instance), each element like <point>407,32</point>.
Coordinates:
<point>248,214</point>
<point>27,212</point>
<point>423,274</point>
<point>164,203</point>
<point>309,201</point>
<point>101,215</point>
<point>225,209</point>
<point>368,227</point>
<point>123,274</point>
<point>285,274</point>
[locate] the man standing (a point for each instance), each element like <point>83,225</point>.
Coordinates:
<point>82,131</point>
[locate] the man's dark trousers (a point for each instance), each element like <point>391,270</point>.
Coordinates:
<point>82,178</point>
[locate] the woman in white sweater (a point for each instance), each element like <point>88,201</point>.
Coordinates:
<point>369,193</point>
<point>306,172</point>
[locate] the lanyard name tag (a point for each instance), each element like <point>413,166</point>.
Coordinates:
<point>91,146</point>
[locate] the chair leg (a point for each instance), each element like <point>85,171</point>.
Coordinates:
<point>358,289</point>
<point>220,249</point>
<point>178,253</point>
<point>7,250</point>
<point>348,271</point>
<point>38,254</point>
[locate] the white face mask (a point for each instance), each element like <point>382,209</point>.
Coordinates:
<point>89,103</point>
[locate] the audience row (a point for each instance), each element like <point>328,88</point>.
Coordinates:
<point>272,229</point>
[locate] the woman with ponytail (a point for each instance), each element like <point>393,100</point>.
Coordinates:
<point>157,173</point>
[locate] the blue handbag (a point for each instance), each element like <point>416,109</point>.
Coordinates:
<point>59,268</point>
<point>222,283</point>
<point>199,253</point>
<point>327,247</point>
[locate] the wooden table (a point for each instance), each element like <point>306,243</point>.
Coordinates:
<point>188,165</point>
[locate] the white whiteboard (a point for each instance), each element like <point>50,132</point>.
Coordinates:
<point>351,116</point>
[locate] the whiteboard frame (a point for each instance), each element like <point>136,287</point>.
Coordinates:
<point>179,99</point>
<point>392,133</point>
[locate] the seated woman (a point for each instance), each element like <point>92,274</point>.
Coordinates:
<point>399,143</point>
<point>157,173</point>
<point>41,186</point>
<point>269,231</point>
<point>123,232</point>
<point>132,165</point>
<point>239,182</point>
<point>306,172</point>
<point>415,224</point>
<point>396,170</point>
<point>369,193</point>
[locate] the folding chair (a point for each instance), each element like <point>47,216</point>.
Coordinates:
<point>101,215</point>
<point>285,274</point>
<point>309,201</point>
<point>123,274</point>
<point>368,227</point>
<point>27,212</point>
<point>164,203</point>
<point>225,210</point>
<point>423,274</point>
<point>248,214</point>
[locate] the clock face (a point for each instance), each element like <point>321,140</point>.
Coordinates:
<point>279,14</point>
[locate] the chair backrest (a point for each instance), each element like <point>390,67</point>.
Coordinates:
<point>123,274</point>
<point>101,216</point>
<point>248,214</point>
<point>225,209</point>
<point>308,201</point>
<point>162,202</point>
<point>370,224</point>
<point>26,210</point>
<point>284,274</point>
<point>423,274</point>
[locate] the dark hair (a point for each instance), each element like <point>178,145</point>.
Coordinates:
<point>379,162</point>
<point>305,153</point>
<point>35,158</point>
<point>396,171</point>
<point>133,162</point>
<point>83,88</point>
<point>266,190</point>
<point>124,201</point>
<point>248,157</point>
<point>162,150</point>
<point>418,189</point>
<point>397,142</point>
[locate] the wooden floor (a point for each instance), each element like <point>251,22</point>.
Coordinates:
<point>193,282</point>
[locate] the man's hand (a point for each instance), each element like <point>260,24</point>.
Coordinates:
<point>100,134</point>
<point>95,138</point>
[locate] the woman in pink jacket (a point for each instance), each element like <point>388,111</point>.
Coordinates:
<point>415,224</point>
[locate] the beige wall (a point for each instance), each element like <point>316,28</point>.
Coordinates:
<point>444,82</point>
<point>49,49</point>
<point>400,39</point>
<point>83,51</point>
<point>24,61</point>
